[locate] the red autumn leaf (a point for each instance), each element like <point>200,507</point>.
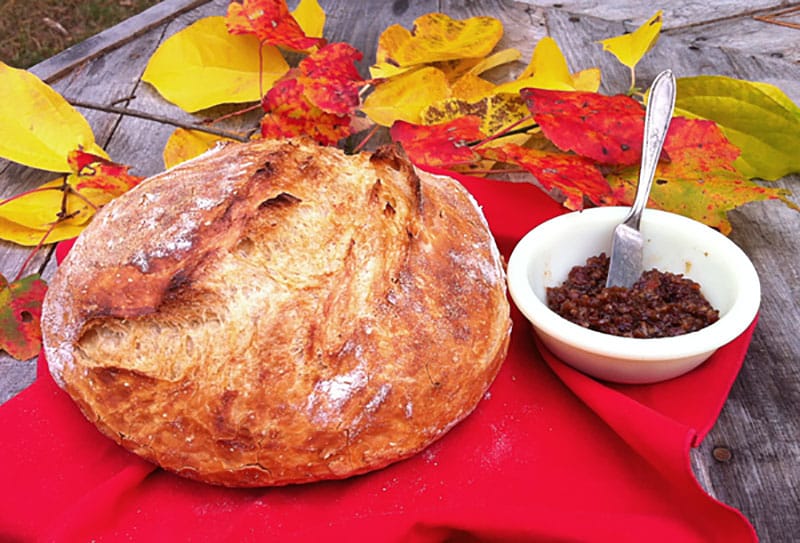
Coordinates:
<point>330,79</point>
<point>100,174</point>
<point>700,180</point>
<point>20,312</point>
<point>607,129</point>
<point>572,175</point>
<point>270,21</point>
<point>445,144</point>
<point>289,114</point>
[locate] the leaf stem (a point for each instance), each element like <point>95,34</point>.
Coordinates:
<point>157,119</point>
<point>34,251</point>
<point>510,130</point>
<point>365,139</point>
<point>27,192</point>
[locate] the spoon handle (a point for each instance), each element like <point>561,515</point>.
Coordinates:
<point>660,107</point>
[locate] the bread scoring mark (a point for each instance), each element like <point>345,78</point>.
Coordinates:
<point>282,200</point>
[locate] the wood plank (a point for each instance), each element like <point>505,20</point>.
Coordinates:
<point>124,32</point>
<point>677,14</point>
<point>747,35</point>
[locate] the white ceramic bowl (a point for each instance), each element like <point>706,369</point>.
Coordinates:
<point>673,243</point>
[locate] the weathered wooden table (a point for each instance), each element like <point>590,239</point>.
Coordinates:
<point>751,459</point>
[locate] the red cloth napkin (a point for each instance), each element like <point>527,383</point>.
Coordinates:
<point>548,455</point>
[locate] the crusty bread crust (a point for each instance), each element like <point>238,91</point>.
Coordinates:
<point>278,312</point>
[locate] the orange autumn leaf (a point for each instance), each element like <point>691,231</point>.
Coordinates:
<point>445,144</point>
<point>61,208</point>
<point>99,177</point>
<point>700,180</point>
<point>289,113</point>
<point>330,79</point>
<point>607,129</point>
<point>20,314</point>
<point>271,22</point>
<point>575,177</point>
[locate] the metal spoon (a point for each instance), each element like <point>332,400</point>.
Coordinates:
<point>626,245</point>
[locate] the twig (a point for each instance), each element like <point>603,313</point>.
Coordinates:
<point>365,139</point>
<point>157,119</point>
<point>34,251</point>
<point>248,109</point>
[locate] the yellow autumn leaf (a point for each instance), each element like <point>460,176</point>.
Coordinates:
<point>25,218</point>
<point>587,80</point>
<point>404,97</point>
<point>31,237</point>
<point>203,66</point>
<point>630,48</point>
<point>385,70</point>
<point>438,37</point>
<point>497,112</point>
<point>184,144</point>
<point>496,59</point>
<point>547,70</point>
<point>471,88</point>
<point>455,69</point>
<point>39,127</point>
<point>311,18</point>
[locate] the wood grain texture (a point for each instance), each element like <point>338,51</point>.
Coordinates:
<point>751,458</point>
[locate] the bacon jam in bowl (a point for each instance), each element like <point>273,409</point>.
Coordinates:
<point>659,304</point>
<point>678,249</point>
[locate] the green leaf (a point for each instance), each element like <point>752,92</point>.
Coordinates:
<point>20,313</point>
<point>756,117</point>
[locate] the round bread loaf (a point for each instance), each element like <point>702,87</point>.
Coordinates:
<point>279,312</point>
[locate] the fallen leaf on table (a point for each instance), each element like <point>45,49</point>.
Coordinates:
<point>271,22</point>
<point>497,112</point>
<point>607,129</point>
<point>40,127</point>
<point>575,177</point>
<point>756,117</point>
<point>184,145</point>
<point>288,113</point>
<point>311,18</point>
<point>330,79</point>
<point>48,211</point>
<point>204,66</point>
<point>20,313</point>
<point>548,70</point>
<point>630,48</point>
<point>404,97</point>
<point>445,144</point>
<point>436,37</point>
<point>700,180</point>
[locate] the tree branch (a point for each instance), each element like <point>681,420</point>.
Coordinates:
<point>158,119</point>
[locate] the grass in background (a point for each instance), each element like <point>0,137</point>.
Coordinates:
<point>33,30</point>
